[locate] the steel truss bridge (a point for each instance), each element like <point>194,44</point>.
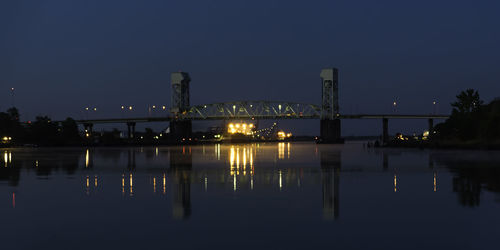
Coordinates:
<point>256,110</point>
<point>182,113</point>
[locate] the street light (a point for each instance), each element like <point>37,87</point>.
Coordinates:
<point>394,104</point>
<point>12,94</point>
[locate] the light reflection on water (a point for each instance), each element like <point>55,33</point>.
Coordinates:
<point>308,183</point>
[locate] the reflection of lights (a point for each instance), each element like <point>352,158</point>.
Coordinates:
<point>123,184</point>
<point>87,158</point>
<point>6,158</point>
<point>395,183</point>
<point>13,200</point>
<point>251,183</point>
<point>237,161</point>
<point>281,150</point>
<point>241,159</point>
<point>95,181</point>
<point>154,184</point>
<point>281,180</point>
<point>36,163</point>
<point>131,185</point>
<point>435,182</point>
<point>234,182</point>
<point>164,184</point>
<point>156,151</point>
<point>231,160</point>
<point>288,150</point>
<point>206,183</point>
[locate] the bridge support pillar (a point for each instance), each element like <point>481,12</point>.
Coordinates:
<point>385,131</point>
<point>330,124</point>
<point>330,131</point>
<point>431,125</point>
<point>131,129</point>
<point>88,129</point>
<point>180,130</point>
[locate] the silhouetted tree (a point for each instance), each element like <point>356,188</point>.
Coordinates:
<point>43,131</point>
<point>468,101</point>
<point>70,133</point>
<point>10,125</point>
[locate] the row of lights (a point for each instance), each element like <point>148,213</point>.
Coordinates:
<point>123,107</point>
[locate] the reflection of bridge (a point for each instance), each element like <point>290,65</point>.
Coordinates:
<point>182,113</point>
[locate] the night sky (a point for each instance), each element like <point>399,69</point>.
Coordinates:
<point>62,56</point>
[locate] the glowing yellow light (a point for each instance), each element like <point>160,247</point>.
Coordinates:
<point>237,125</point>
<point>130,108</point>
<point>234,183</point>
<point>281,150</point>
<point>435,182</point>
<point>5,158</point>
<point>154,184</point>
<point>95,181</point>
<point>281,180</point>
<point>87,158</point>
<point>131,185</point>
<point>164,184</point>
<point>395,183</point>
<point>123,107</point>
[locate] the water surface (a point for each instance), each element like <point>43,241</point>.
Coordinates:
<point>249,196</point>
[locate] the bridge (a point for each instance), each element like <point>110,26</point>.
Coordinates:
<point>182,113</point>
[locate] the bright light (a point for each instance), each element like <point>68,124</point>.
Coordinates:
<point>130,108</point>
<point>240,128</point>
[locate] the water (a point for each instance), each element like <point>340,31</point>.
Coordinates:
<point>249,196</point>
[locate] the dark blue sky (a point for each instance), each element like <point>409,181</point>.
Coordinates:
<point>61,56</point>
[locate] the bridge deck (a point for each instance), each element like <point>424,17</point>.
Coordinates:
<point>262,117</point>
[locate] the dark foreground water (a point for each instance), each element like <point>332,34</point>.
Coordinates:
<point>249,196</point>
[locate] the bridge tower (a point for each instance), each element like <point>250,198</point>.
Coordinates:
<point>180,128</point>
<point>330,122</point>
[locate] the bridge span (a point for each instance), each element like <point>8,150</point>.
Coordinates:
<point>182,113</point>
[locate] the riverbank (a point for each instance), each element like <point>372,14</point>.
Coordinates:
<point>447,144</point>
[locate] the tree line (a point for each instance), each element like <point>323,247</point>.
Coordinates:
<point>471,120</point>
<point>42,131</point>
